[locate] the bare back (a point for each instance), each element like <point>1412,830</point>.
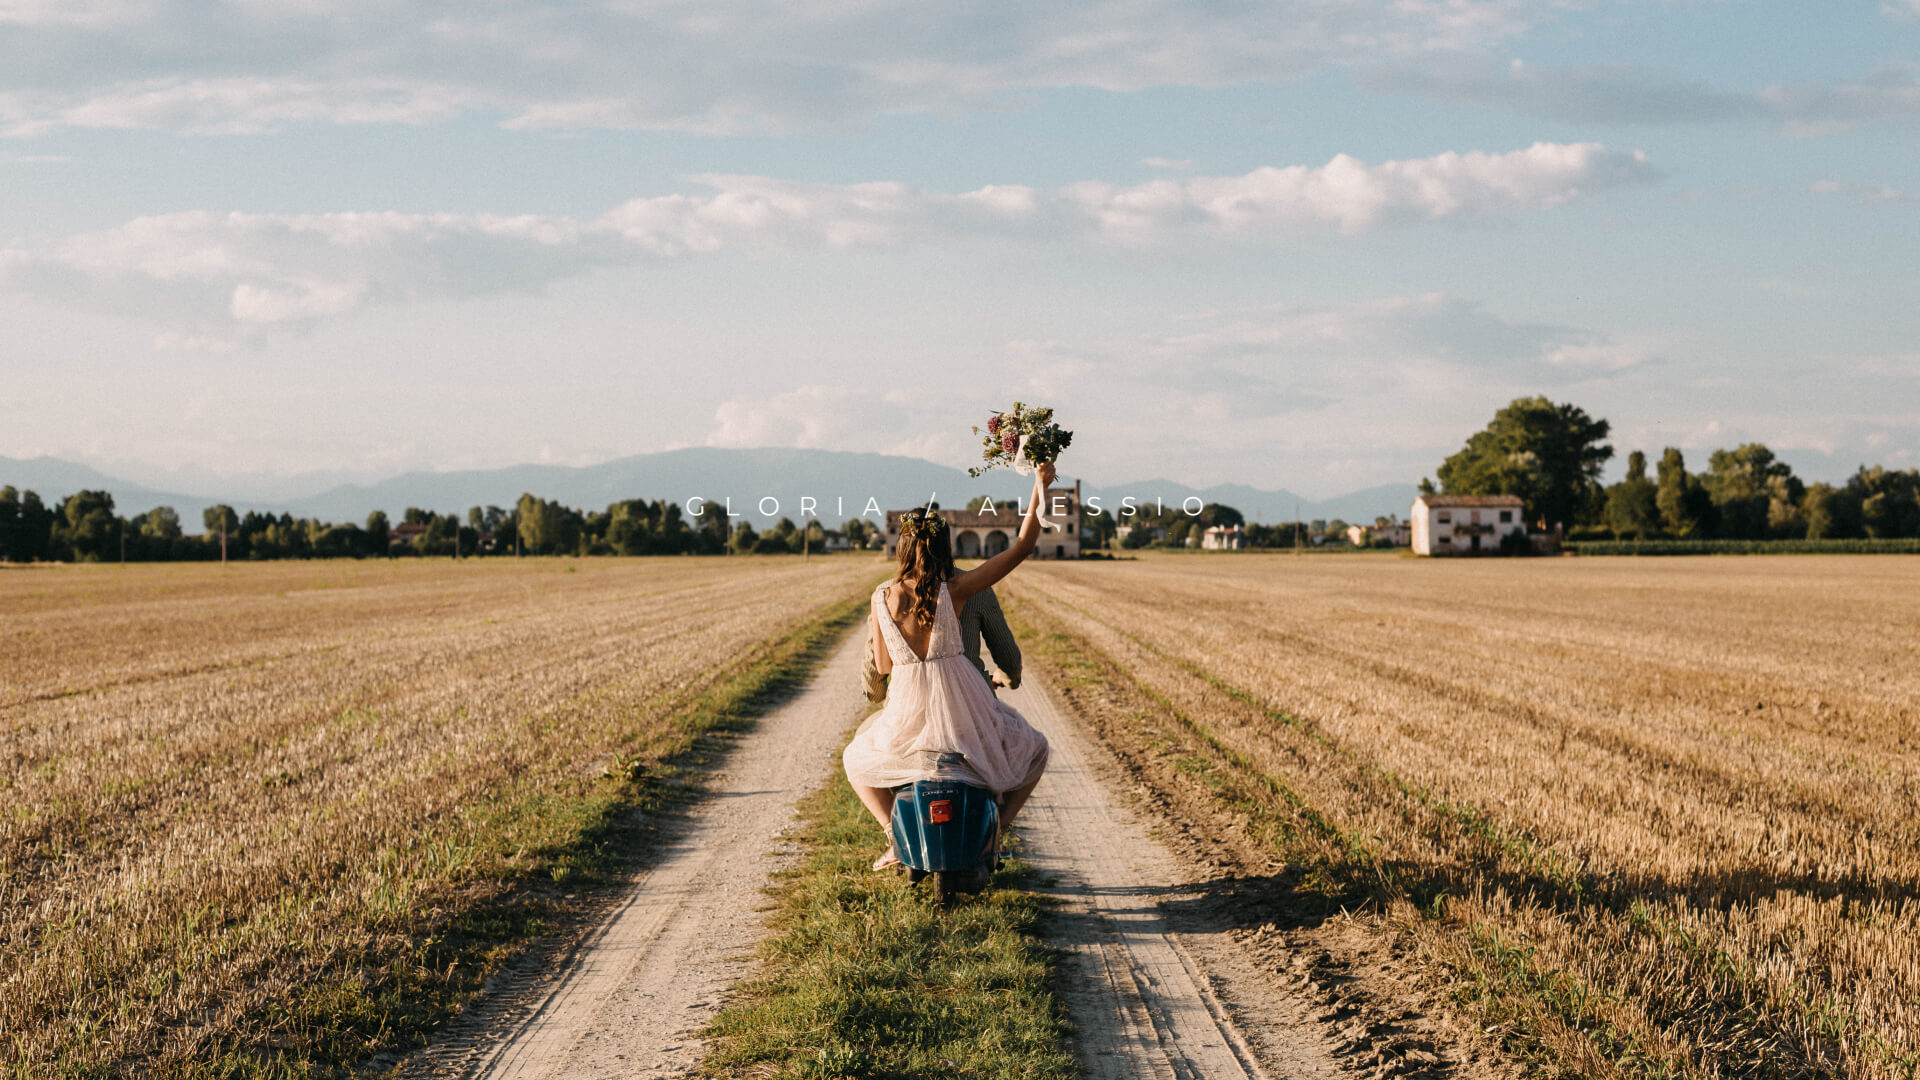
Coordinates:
<point>917,633</point>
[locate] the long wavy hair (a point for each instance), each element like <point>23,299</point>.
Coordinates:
<point>926,559</point>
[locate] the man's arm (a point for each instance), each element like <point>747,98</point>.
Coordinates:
<point>999,640</point>
<point>874,683</point>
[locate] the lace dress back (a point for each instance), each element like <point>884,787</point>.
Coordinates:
<point>941,720</point>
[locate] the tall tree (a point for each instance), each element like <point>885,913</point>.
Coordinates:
<point>379,532</point>
<point>1549,455</point>
<point>1830,513</point>
<point>91,527</point>
<point>1686,510</point>
<point>162,522</point>
<point>1633,504</point>
<point>220,518</point>
<point>1889,501</point>
<point>1745,484</point>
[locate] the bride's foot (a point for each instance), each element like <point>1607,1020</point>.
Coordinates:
<point>887,861</point>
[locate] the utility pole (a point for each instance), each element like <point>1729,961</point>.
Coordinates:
<point>1296,527</point>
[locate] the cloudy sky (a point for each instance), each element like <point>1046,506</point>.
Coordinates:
<point>1300,243</point>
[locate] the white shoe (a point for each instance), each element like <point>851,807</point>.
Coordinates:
<point>887,861</point>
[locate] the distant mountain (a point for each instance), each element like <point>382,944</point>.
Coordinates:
<point>54,479</point>
<point>840,483</point>
<point>1268,506</point>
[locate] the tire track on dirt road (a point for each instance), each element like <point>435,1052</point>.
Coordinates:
<point>628,999</point>
<point>1146,999</point>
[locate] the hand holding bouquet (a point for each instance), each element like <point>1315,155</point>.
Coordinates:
<point>1021,438</point>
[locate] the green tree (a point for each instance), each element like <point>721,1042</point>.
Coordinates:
<point>1221,514</point>
<point>1830,513</point>
<point>161,523</point>
<point>1686,510</point>
<point>26,525</point>
<point>219,520</point>
<point>378,532</point>
<point>744,538</point>
<point>92,530</point>
<point>1889,501</point>
<point>1549,455</point>
<point>1745,484</point>
<point>1633,507</point>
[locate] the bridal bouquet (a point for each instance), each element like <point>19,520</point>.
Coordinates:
<point>1021,438</point>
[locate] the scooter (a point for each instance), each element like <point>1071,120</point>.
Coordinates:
<point>949,830</point>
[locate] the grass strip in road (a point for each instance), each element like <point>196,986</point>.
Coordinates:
<point>864,977</point>
<point>530,862</point>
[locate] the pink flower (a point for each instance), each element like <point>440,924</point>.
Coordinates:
<point>1009,442</point>
<point>993,424</point>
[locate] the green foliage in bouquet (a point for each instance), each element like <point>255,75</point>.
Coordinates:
<point>1021,438</point>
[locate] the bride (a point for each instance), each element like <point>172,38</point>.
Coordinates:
<point>938,702</point>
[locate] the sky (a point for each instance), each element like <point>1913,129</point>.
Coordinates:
<point>1310,244</point>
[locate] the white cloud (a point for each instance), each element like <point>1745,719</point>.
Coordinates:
<point>1873,193</point>
<point>1394,383</point>
<point>1632,94</point>
<point>225,273</point>
<point>718,67</point>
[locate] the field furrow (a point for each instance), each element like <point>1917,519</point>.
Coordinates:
<point>226,789</point>
<point>1689,789</point>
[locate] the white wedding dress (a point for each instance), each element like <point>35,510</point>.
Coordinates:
<point>940,705</point>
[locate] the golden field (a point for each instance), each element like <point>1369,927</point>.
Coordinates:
<point>1658,816</point>
<point>242,809</point>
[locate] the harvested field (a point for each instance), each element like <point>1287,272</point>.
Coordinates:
<point>253,818</point>
<point>1640,817</point>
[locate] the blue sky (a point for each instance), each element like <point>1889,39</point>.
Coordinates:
<point>1300,244</point>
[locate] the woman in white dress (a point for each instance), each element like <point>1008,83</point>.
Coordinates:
<point>937,702</point>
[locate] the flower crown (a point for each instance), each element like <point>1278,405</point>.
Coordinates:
<point>922,528</point>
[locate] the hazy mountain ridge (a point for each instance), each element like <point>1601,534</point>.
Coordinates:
<point>840,482</point>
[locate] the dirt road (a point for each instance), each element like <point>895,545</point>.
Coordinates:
<point>1146,1000</point>
<point>626,1001</point>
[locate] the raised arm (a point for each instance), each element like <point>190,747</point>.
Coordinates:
<point>989,573</point>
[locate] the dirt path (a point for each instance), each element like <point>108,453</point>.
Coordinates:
<point>625,1002</point>
<point>1147,999</point>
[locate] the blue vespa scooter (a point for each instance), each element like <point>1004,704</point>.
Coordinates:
<point>948,830</point>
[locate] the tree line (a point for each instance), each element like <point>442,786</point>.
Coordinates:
<point>1551,456</point>
<point>86,527</point>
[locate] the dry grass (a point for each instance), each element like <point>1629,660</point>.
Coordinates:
<point>1660,814</point>
<point>242,810</point>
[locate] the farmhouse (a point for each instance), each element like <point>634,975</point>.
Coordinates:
<point>1223,538</point>
<point>1391,533</point>
<point>979,534</point>
<point>1465,524</point>
<point>1153,533</point>
<point>400,538</point>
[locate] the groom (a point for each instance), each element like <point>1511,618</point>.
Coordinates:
<point>979,619</point>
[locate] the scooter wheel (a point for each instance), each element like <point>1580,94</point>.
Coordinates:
<point>946,887</point>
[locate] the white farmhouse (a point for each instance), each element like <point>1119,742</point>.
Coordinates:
<point>1224,538</point>
<point>1465,524</point>
<point>1392,533</point>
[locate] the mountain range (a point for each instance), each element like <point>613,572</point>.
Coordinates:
<point>762,484</point>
